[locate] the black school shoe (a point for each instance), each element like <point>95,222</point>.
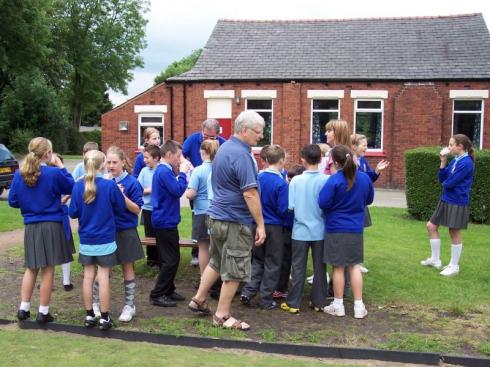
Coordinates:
<point>105,324</point>
<point>68,287</point>
<point>163,301</point>
<point>23,315</point>
<point>176,297</point>
<point>43,319</point>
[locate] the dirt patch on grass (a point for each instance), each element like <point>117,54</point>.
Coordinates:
<point>405,327</point>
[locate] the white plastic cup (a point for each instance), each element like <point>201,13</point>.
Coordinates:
<point>444,151</point>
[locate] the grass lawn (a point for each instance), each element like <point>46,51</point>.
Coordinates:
<point>34,348</point>
<point>10,218</point>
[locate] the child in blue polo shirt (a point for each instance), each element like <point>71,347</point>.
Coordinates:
<point>267,259</point>
<point>307,232</point>
<point>343,199</point>
<point>165,198</point>
<point>94,202</point>
<point>152,158</point>
<point>453,210</point>
<point>129,247</point>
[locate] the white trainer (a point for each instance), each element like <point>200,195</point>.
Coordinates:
<point>450,270</point>
<point>127,313</point>
<point>429,262</point>
<point>310,279</point>
<point>363,269</point>
<point>195,261</point>
<point>334,310</point>
<point>360,312</point>
<point>96,308</point>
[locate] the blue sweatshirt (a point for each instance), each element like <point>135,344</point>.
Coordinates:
<point>364,167</point>
<point>139,164</point>
<point>41,202</point>
<point>192,145</point>
<point>166,190</point>
<point>344,210</point>
<point>134,192</point>
<point>273,197</point>
<point>96,220</point>
<point>456,180</point>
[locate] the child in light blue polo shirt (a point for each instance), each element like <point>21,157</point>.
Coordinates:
<point>308,231</point>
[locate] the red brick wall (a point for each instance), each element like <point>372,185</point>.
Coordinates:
<point>415,114</point>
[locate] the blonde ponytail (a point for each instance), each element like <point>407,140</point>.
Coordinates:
<point>92,161</point>
<point>29,168</point>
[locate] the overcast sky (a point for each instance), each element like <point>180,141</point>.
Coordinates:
<point>177,28</point>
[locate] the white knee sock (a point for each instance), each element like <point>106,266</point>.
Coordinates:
<point>456,253</point>
<point>435,246</point>
<point>66,273</point>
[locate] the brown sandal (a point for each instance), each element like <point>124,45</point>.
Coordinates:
<point>229,322</point>
<point>200,307</point>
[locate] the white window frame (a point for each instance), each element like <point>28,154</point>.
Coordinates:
<point>150,124</point>
<point>262,110</point>
<point>382,109</point>
<point>312,111</point>
<point>482,112</point>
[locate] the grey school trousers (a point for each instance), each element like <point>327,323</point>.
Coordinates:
<point>266,266</point>
<point>299,259</point>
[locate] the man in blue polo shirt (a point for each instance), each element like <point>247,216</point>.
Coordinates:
<point>190,150</point>
<point>233,211</point>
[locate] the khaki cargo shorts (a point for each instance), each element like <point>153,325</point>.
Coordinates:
<point>230,249</point>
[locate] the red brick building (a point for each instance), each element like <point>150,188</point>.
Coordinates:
<point>403,82</point>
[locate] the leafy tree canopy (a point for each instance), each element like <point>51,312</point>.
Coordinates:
<point>179,67</point>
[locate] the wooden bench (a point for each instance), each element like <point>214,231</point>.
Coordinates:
<point>183,242</point>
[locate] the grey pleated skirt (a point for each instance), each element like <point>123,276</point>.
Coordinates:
<point>451,216</point>
<point>45,244</point>
<point>129,247</point>
<point>367,218</point>
<point>342,249</point>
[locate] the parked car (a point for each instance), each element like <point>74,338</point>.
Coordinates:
<point>8,166</point>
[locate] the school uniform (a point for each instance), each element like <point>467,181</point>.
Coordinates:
<point>363,166</point>
<point>139,164</point>
<point>145,179</point>
<point>165,199</point>
<point>198,182</point>
<point>129,247</point>
<point>453,209</point>
<point>308,232</point>
<point>283,284</point>
<point>267,259</point>
<point>96,221</point>
<point>45,241</point>
<point>344,218</point>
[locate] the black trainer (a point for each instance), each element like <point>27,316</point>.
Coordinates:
<point>105,324</point>
<point>23,315</point>
<point>90,321</point>
<point>176,297</point>
<point>163,301</point>
<point>245,300</point>
<point>43,319</point>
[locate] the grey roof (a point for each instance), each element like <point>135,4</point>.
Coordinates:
<point>434,48</point>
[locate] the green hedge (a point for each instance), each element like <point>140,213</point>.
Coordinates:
<point>423,189</point>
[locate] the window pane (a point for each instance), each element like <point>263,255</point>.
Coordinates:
<point>325,104</point>
<point>468,124</point>
<point>151,119</point>
<point>259,104</point>
<point>369,124</point>
<point>142,130</point>
<point>267,128</point>
<point>467,105</point>
<point>319,120</point>
<point>369,104</point>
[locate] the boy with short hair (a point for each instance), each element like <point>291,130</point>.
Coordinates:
<point>267,259</point>
<point>308,231</point>
<point>79,170</point>
<point>151,156</point>
<point>166,191</point>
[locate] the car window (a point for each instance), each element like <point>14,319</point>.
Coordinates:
<point>5,154</point>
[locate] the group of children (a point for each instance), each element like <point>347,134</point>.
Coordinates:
<point>324,209</point>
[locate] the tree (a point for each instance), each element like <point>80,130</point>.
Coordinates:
<point>179,67</point>
<point>100,41</point>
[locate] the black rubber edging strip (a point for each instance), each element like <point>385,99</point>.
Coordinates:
<point>466,361</point>
<point>7,322</point>
<point>202,342</point>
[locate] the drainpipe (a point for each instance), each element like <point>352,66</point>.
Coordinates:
<point>171,92</point>
<point>185,112</point>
